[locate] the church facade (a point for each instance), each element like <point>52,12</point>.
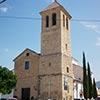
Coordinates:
<point>48,75</point>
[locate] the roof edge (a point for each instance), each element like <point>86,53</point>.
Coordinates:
<point>56,7</point>
<point>24,51</point>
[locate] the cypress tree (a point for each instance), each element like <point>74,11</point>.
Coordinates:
<point>89,82</point>
<point>85,92</point>
<point>94,89</point>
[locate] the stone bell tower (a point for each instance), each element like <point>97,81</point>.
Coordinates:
<point>55,68</point>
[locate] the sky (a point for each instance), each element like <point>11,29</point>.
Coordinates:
<point>18,34</point>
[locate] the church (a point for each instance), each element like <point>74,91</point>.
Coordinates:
<point>47,75</point>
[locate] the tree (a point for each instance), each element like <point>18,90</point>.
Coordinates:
<point>94,89</point>
<point>7,80</point>
<point>89,82</point>
<point>2,1</point>
<point>85,92</point>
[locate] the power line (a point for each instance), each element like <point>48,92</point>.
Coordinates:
<point>16,17</point>
<point>31,18</point>
<point>86,20</point>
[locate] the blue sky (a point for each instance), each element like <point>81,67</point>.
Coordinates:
<point>18,34</point>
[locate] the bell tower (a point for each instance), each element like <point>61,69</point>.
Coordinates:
<point>55,36</point>
<point>55,69</point>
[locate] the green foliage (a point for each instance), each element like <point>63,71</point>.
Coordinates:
<point>89,82</point>
<point>7,80</point>
<point>85,90</point>
<point>89,89</point>
<point>94,89</point>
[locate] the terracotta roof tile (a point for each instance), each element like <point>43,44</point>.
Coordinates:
<point>78,72</point>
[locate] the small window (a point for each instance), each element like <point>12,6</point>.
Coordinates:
<point>49,63</point>
<point>47,21</point>
<point>65,84</point>
<point>63,20</point>
<point>27,54</point>
<point>54,19</point>
<point>67,70</point>
<point>67,23</point>
<point>27,64</point>
<point>79,78</point>
<point>66,46</point>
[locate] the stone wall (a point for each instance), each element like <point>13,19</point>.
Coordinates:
<point>27,78</point>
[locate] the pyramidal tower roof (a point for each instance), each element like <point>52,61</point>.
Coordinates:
<point>55,4</point>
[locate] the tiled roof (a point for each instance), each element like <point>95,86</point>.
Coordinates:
<point>55,5</point>
<point>78,72</point>
<point>27,49</point>
<point>98,84</point>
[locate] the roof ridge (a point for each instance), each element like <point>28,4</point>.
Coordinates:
<point>56,4</point>
<point>52,5</point>
<point>24,51</point>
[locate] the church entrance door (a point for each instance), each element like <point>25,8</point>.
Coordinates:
<point>25,93</point>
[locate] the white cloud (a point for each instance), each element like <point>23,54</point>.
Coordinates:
<point>92,26</point>
<point>98,42</point>
<point>3,9</point>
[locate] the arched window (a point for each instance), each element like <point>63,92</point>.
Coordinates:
<point>54,19</point>
<point>47,21</point>
<point>67,23</point>
<point>65,83</point>
<point>63,20</point>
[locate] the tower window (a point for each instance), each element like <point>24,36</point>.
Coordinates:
<point>67,70</point>
<point>27,64</point>
<point>47,21</point>
<point>54,18</point>
<point>67,23</point>
<point>65,84</point>
<point>66,46</point>
<point>49,63</point>
<point>63,20</point>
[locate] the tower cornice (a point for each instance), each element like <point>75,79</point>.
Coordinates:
<point>53,5</point>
